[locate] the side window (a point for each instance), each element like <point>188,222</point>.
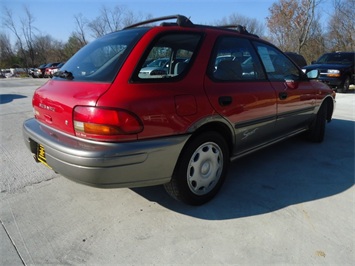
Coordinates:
<point>234,59</point>
<point>170,56</point>
<point>278,67</point>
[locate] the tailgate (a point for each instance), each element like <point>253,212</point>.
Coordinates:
<point>54,102</point>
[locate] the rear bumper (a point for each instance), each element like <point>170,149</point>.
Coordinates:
<point>101,164</point>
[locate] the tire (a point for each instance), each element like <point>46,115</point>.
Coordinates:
<point>316,130</point>
<point>200,170</point>
<point>346,84</point>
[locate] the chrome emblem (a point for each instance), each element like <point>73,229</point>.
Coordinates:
<point>46,107</point>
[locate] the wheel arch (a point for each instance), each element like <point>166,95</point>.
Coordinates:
<point>329,101</point>
<point>218,125</point>
<point>351,77</point>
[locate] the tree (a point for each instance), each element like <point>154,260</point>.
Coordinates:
<point>111,20</point>
<point>47,49</point>
<point>6,53</point>
<point>316,43</point>
<point>252,25</point>
<point>27,25</point>
<point>72,46</point>
<point>24,34</point>
<point>341,26</point>
<point>108,21</point>
<point>290,23</point>
<point>80,33</point>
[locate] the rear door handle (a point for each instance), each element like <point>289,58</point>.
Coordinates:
<point>283,95</point>
<point>225,100</point>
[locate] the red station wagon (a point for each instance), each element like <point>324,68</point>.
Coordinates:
<point>103,122</point>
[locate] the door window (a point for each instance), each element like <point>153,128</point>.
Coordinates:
<point>278,67</point>
<point>234,59</point>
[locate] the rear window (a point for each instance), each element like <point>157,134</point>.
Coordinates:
<point>101,60</point>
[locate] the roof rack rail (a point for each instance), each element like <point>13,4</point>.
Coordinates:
<point>239,28</point>
<point>180,21</point>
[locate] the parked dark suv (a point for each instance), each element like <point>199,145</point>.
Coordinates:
<point>336,69</point>
<point>297,58</point>
<point>223,93</point>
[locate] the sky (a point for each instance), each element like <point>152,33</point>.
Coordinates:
<point>56,17</point>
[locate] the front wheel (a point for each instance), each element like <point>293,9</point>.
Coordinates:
<point>317,128</point>
<point>346,85</point>
<point>200,170</point>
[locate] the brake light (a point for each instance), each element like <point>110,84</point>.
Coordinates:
<point>105,124</point>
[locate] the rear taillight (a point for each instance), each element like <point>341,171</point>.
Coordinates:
<point>105,124</point>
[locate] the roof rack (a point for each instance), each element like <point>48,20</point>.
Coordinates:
<point>180,21</point>
<point>239,28</point>
<point>186,22</point>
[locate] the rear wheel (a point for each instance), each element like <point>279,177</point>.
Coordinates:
<point>317,128</point>
<point>200,170</point>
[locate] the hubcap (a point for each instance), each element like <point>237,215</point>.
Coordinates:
<point>205,168</point>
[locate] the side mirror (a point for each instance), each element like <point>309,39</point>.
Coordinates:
<point>313,62</point>
<point>313,74</point>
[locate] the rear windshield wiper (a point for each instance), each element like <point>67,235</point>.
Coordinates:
<point>64,74</point>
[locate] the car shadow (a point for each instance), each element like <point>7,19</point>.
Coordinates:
<point>291,172</point>
<point>7,98</point>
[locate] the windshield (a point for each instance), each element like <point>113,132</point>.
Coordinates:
<point>101,60</point>
<point>336,58</point>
